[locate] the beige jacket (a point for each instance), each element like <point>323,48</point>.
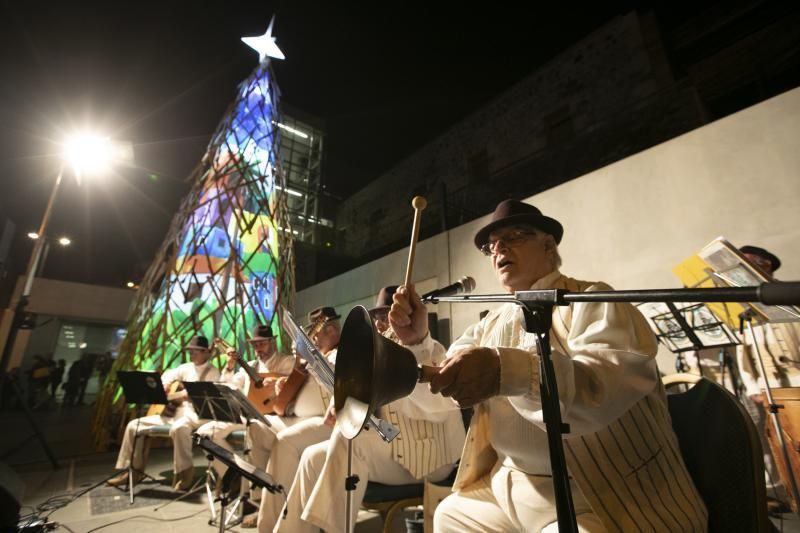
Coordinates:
<point>621,450</point>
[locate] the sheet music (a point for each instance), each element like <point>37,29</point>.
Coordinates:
<point>319,367</point>
<point>707,328</point>
<point>317,364</point>
<point>735,270</point>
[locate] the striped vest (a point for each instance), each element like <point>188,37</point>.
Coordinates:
<point>631,471</point>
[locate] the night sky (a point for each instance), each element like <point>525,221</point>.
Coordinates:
<point>385,77</point>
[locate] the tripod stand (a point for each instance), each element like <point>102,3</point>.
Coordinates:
<point>238,466</point>
<point>37,432</point>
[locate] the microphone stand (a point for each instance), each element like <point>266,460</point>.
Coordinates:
<point>537,307</point>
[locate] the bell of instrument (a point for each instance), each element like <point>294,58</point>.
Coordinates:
<point>370,372</point>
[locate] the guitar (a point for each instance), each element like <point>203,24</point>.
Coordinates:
<point>175,397</point>
<point>261,392</point>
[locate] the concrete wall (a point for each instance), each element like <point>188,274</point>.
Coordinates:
<point>607,96</point>
<point>631,222</point>
<point>79,301</point>
<point>76,302</point>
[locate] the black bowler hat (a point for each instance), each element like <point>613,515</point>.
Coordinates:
<point>513,212</point>
<point>261,333</point>
<point>384,300</point>
<point>320,315</point>
<point>198,342</point>
<point>755,250</point>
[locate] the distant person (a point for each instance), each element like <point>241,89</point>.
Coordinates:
<point>85,373</point>
<point>56,375</point>
<point>103,366</point>
<point>72,384</point>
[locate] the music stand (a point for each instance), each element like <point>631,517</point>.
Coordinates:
<point>141,388</point>
<point>244,406</point>
<point>692,327</point>
<point>210,403</point>
<point>238,465</point>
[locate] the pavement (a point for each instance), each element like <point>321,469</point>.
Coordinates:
<point>74,497</point>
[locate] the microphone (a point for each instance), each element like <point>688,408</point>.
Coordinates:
<point>465,284</point>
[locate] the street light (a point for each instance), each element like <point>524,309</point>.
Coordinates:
<point>63,241</point>
<point>87,154</point>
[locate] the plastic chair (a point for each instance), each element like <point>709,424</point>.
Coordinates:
<point>722,452</point>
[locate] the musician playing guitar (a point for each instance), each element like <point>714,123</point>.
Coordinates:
<point>182,420</point>
<point>261,380</point>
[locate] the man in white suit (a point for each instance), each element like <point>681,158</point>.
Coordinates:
<point>429,444</point>
<point>622,455</point>
<point>182,421</point>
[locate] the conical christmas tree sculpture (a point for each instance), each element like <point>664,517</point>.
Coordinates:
<point>227,262</point>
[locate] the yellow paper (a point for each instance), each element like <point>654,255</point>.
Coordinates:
<point>692,273</point>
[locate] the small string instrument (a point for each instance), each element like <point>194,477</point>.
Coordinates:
<point>261,392</point>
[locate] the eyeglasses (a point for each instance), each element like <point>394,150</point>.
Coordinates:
<point>512,238</point>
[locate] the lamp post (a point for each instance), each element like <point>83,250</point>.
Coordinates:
<point>86,154</point>
<point>38,245</point>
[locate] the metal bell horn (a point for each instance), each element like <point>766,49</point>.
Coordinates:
<point>370,372</point>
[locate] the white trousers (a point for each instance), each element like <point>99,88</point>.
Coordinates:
<point>181,427</point>
<point>317,499</point>
<point>283,462</point>
<point>509,500</point>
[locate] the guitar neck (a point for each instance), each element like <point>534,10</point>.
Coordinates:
<point>221,344</point>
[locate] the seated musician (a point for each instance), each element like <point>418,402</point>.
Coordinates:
<point>626,470</point>
<point>259,436</point>
<point>182,421</point>
<point>324,330</point>
<point>429,444</point>
<point>779,345</point>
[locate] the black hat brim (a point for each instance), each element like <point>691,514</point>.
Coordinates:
<point>544,223</point>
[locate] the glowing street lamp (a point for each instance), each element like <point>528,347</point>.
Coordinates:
<point>87,154</point>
